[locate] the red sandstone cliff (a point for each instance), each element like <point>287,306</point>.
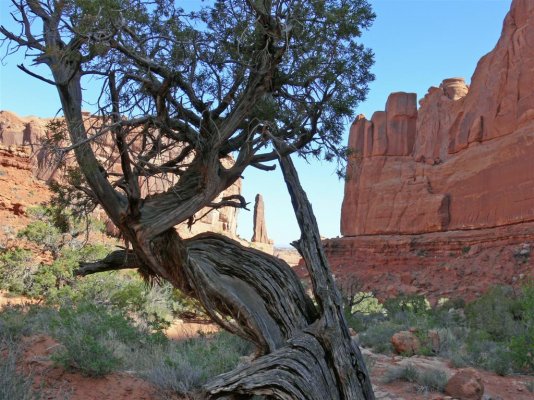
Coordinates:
<point>21,147</point>
<point>440,200</point>
<point>463,160</point>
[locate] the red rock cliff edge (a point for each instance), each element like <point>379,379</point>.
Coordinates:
<point>440,198</point>
<point>463,160</point>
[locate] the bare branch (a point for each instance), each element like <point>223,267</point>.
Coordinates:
<point>117,260</point>
<point>41,78</point>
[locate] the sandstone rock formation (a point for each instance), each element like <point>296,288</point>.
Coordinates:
<point>440,200</point>
<point>22,146</point>
<point>260,227</point>
<point>464,160</point>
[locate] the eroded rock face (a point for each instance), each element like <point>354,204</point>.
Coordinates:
<point>464,160</point>
<point>21,146</point>
<point>451,216</point>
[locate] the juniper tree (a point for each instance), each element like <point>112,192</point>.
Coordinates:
<point>179,92</point>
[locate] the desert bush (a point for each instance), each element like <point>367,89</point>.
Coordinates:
<point>16,270</point>
<point>406,373</point>
<point>432,379</point>
<point>14,385</point>
<point>361,322</point>
<point>496,312</point>
<point>488,354</point>
<point>24,320</point>
<point>522,346</point>
<point>186,365</point>
<point>426,380</point>
<point>87,334</point>
<point>412,304</point>
<point>13,323</point>
<point>522,349</point>
<point>378,336</point>
<point>42,233</point>
<point>152,307</point>
<point>64,220</point>
<point>48,280</point>
<point>502,329</point>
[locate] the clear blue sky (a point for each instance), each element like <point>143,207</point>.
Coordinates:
<point>417,44</point>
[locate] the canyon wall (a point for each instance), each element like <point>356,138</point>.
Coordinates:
<point>463,160</point>
<point>22,146</point>
<point>439,199</point>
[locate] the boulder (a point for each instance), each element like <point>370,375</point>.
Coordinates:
<point>466,384</point>
<point>406,343</point>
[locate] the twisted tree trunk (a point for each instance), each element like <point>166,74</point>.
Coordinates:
<point>304,352</point>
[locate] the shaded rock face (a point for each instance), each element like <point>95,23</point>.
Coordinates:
<point>452,264</point>
<point>21,146</point>
<point>260,227</point>
<point>463,160</point>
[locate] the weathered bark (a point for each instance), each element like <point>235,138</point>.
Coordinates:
<point>261,293</point>
<point>346,357</point>
<point>303,353</point>
<point>321,361</point>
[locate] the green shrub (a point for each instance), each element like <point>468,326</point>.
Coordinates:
<point>522,346</point>
<point>87,355</point>
<point>368,304</point>
<point>378,336</point>
<point>413,304</point>
<point>16,270</point>
<point>24,320</point>
<point>49,279</point>
<point>190,363</point>
<point>88,335</point>
<point>432,379</point>
<point>406,373</point>
<point>43,234</point>
<point>13,323</point>
<point>522,351</point>
<point>494,314</point>
<point>502,329</point>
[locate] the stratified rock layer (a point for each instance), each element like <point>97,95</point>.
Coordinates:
<point>464,160</point>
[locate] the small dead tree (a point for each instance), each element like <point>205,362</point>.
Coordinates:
<point>180,92</point>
